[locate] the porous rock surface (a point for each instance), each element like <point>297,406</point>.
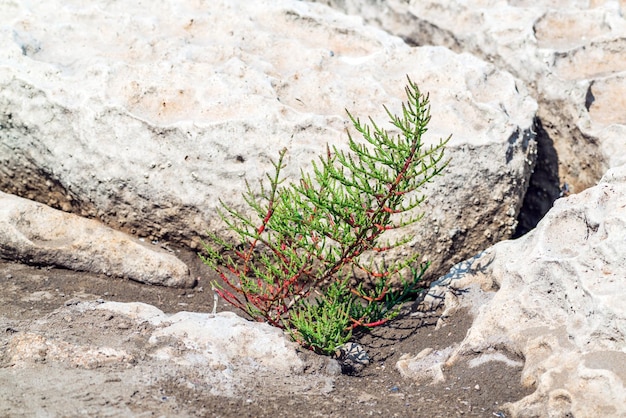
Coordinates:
<point>569,53</point>
<point>123,350</point>
<point>211,336</point>
<point>554,299</point>
<point>151,117</point>
<point>34,233</point>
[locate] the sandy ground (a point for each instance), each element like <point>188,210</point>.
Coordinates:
<point>37,301</point>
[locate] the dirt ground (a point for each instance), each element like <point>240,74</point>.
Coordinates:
<point>30,293</point>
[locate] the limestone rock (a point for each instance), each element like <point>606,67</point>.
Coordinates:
<point>26,348</point>
<point>570,55</point>
<point>210,339</point>
<point>34,233</point>
<point>151,117</point>
<point>220,354</point>
<point>555,297</point>
<point>426,366</point>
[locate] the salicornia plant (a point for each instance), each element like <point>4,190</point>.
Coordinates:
<point>296,261</point>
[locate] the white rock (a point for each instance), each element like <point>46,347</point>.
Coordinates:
<point>37,234</point>
<point>570,55</point>
<point>219,354</point>
<point>219,340</point>
<point>555,297</point>
<point>150,117</point>
<point>26,348</point>
<point>426,366</point>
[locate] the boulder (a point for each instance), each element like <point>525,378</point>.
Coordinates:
<point>209,338</point>
<point>153,116</point>
<point>36,234</point>
<point>570,56</point>
<point>106,358</point>
<point>554,298</point>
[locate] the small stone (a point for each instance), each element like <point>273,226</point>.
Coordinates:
<point>73,301</point>
<point>352,357</point>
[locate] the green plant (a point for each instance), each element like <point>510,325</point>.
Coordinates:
<point>295,266</point>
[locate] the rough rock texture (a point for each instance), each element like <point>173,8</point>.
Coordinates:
<point>569,53</point>
<point>555,298</point>
<point>426,366</point>
<point>209,338</point>
<point>34,233</point>
<point>151,116</point>
<point>137,347</point>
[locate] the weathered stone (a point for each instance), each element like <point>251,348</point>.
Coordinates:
<point>426,366</point>
<point>151,117</point>
<point>555,298</point>
<point>34,233</point>
<point>209,338</point>
<point>220,354</point>
<point>570,55</point>
<point>27,348</point>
